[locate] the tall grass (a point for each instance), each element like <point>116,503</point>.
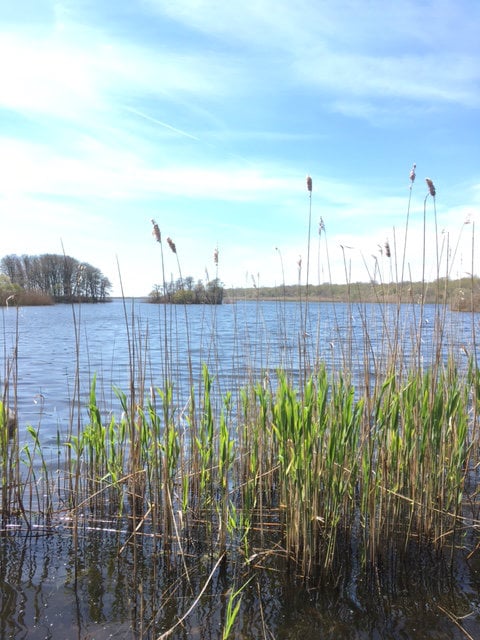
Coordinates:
<point>10,472</point>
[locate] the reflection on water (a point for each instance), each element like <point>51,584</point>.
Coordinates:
<point>98,584</point>
<point>52,588</point>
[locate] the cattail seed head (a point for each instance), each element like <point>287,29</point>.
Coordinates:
<point>172,246</point>
<point>156,232</point>
<point>309,183</point>
<point>215,256</point>
<point>387,249</point>
<point>413,175</point>
<point>431,187</point>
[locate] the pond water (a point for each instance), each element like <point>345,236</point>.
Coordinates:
<point>57,585</point>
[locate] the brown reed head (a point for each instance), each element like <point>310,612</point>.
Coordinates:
<point>309,184</point>
<point>431,187</point>
<point>171,244</point>
<point>387,249</point>
<point>215,256</point>
<point>156,231</point>
<point>413,175</point>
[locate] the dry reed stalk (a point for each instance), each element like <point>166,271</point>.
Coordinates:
<point>303,338</point>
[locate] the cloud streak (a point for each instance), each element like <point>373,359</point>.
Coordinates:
<point>161,124</point>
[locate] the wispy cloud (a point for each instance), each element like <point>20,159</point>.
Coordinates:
<point>423,78</point>
<point>355,49</point>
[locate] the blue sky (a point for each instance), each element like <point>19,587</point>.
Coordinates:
<point>207,116</point>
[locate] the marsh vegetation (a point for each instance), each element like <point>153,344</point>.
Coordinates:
<point>330,451</point>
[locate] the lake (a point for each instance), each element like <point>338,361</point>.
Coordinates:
<point>56,585</point>
<point>238,342</point>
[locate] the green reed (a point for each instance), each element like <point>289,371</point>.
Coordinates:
<point>204,442</point>
<point>424,445</point>
<point>233,607</point>
<point>317,432</point>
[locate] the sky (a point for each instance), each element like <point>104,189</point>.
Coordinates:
<point>207,116</point>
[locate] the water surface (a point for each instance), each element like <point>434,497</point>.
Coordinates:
<point>93,585</point>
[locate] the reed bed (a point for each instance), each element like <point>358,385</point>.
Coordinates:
<point>303,470</point>
<point>300,466</point>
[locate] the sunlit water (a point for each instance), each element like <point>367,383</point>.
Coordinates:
<point>52,587</point>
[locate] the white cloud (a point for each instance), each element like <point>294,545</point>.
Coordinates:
<point>209,128</point>
<point>98,171</point>
<point>70,74</point>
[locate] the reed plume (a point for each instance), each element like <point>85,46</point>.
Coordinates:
<point>413,175</point>
<point>156,231</point>
<point>431,187</point>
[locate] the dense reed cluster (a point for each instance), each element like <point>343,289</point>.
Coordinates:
<point>305,473</point>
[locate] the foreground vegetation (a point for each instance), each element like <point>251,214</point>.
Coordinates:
<point>311,469</point>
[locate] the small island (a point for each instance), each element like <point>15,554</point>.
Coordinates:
<point>187,291</point>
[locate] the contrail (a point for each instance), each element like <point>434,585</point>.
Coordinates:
<point>162,124</point>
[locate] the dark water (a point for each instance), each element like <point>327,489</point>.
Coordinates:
<point>57,588</point>
<point>56,585</point>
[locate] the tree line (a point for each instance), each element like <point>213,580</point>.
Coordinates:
<point>187,291</point>
<point>462,294</point>
<point>58,278</point>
